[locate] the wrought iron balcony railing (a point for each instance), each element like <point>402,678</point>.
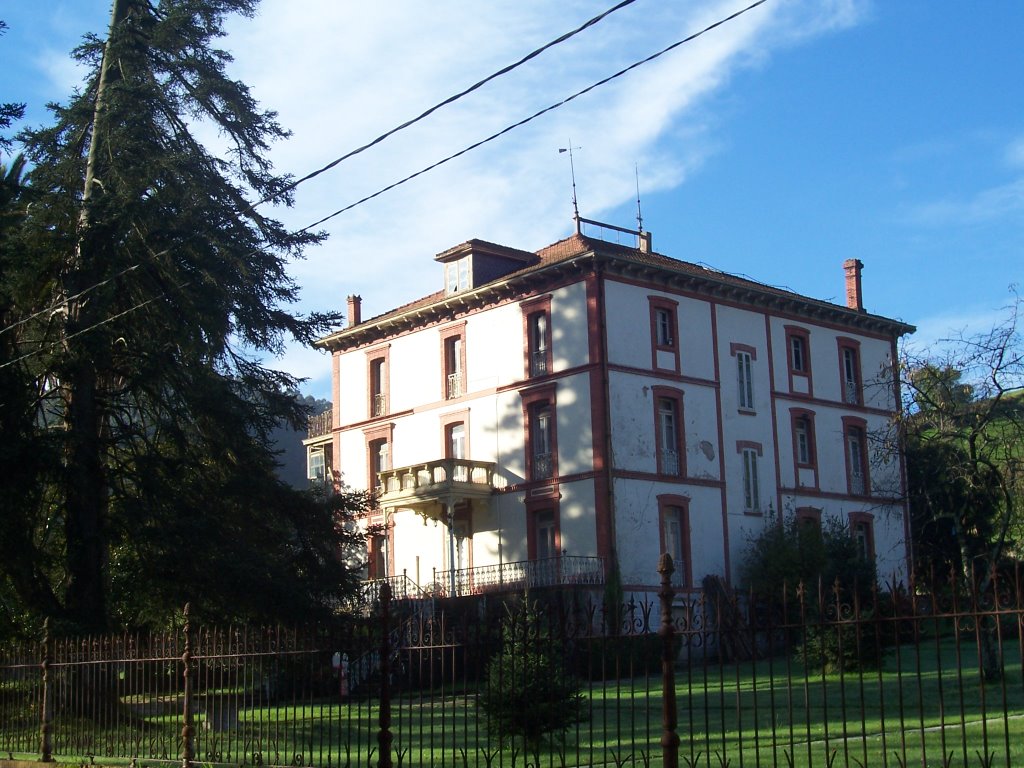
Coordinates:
<point>670,464</point>
<point>318,425</point>
<point>454,385</point>
<point>565,570</point>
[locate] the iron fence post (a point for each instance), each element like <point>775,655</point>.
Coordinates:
<point>46,704</point>
<point>384,735</point>
<point>187,728</point>
<point>669,737</point>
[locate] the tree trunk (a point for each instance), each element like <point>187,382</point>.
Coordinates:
<point>85,504</point>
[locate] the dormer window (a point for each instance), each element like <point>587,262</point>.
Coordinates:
<point>457,275</point>
<point>477,262</point>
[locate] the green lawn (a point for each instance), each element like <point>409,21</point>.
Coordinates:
<point>926,706</point>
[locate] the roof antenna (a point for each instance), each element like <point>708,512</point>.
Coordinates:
<point>572,169</point>
<point>639,215</point>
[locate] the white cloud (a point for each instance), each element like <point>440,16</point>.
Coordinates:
<point>1015,153</point>
<point>990,204</point>
<point>339,74</point>
<point>939,333</point>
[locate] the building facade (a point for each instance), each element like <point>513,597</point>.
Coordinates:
<point>546,415</point>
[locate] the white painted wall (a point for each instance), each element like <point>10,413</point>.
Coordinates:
<point>713,424</point>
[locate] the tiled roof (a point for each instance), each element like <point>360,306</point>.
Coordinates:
<point>578,245</point>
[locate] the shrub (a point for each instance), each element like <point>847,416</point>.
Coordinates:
<point>529,692</point>
<point>796,552</point>
<point>827,562</point>
<point>840,647</point>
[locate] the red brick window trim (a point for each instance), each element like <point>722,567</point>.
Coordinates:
<point>674,536</point>
<point>537,360</point>
<point>855,447</point>
<point>664,318</point>
<point>808,526</point>
<point>862,528</point>
<point>805,453</point>
<point>669,431</point>
<point>750,452</point>
<point>543,528</point>
<point>540,438</point>
<point>379,444</point>
<point>798,353</point>
<point>809,516</point>
<point>851,382</point>
<point>447,421</point>
<point>745,356</point>
<point>378,376</point>
<point>734,348</point>
<point>453,361</point>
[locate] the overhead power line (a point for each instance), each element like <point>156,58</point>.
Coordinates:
<point>447,159</point>
<point>535,115</point>
<point>451,99</point>
<point>55,308</point>
<point>80,331</point>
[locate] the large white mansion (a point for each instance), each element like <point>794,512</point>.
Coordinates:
<point>545,415</point>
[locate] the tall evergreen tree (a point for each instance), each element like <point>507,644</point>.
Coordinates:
<point>158,287</point>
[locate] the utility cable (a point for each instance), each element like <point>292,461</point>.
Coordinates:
<point>535,115</point>
<point>447,159</point>
<point>292,185</point>
<point>451,99</point>
<point>80,331</point>
<point>54,308</point>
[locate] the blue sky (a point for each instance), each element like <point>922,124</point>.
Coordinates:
<point>795,137</point>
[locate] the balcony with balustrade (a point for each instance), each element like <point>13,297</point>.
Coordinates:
<point>428,487</point>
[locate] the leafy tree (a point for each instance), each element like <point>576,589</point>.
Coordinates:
<point>938,387</point>
<point>143,289</point>
<point>9,111</point>
<point>964,446</point>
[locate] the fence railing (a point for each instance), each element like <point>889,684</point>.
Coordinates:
<point>814,677</point>
<point>564,570</point>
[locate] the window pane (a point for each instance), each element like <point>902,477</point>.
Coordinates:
<point>855,451</point>
<point>668,434</point>
<point>751,491</point>
<point>798,353</point>
<point>378,399</point>
<point>540,442</point>
<point>457,441</point>
<point>673,520</point>
<point>545,522</point>
<point>317,466</point>
<point>746,386</point>
<point>455,386</point>
<point>538,330</point>
<point>803,441</point>
<point>851,393</point>
<point>664,329</point>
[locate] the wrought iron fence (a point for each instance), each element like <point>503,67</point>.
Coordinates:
<point>809,678</point>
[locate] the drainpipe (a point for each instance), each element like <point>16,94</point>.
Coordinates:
<point>450,511</point>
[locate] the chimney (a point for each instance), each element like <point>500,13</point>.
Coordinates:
<point>355,306</point>
<point>854,299</point>
<point>645,242</point>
